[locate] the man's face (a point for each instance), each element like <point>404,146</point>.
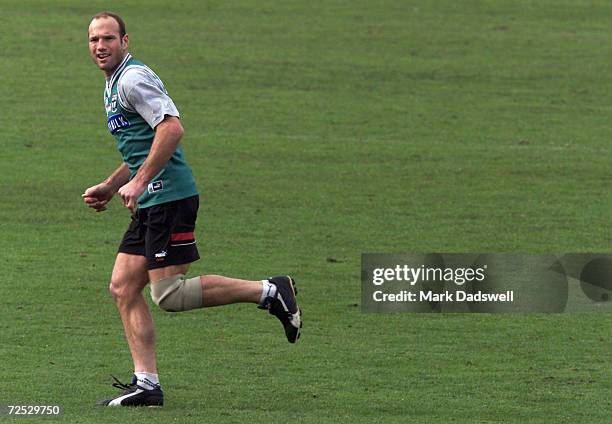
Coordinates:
<point>106,47</point>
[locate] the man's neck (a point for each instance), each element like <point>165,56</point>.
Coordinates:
<point>109,74</point>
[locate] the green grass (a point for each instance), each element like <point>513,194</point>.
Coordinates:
<point>316,130</point>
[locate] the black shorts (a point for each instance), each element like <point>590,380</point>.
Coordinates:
<point>164,233</point>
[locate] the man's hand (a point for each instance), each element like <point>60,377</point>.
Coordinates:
<point>98,196</point>
<point>131,192</point>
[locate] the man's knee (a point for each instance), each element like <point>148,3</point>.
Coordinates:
<point>123,290</point>
<point>175,293</point>
<point>117,289</point>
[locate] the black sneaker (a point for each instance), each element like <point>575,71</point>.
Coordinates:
<point>134,395</point>
<point>284,306</point>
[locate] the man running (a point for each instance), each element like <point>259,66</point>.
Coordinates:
<point>155,183</point>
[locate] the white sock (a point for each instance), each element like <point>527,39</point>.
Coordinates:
<point>147,380</point>
<point>268,290</point>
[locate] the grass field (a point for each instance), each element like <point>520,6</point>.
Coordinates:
<point>317,131</point>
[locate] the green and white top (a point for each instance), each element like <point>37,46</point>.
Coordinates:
<point>136,102</point>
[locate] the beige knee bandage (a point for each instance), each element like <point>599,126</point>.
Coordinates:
<point>175,293</point>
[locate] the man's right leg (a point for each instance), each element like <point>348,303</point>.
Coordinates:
<point>128,279</point>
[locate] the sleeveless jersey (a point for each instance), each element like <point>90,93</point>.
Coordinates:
<point>134,138</point>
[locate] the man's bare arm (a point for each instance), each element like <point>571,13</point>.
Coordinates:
<point>98,196</point>
<point>119,177</point>
<point>168,134</point>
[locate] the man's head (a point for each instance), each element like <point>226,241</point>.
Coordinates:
<point>108,42</point>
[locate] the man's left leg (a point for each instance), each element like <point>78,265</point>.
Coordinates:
<point>171,246</point>
<point>172,292</point>
<point>217,290</point>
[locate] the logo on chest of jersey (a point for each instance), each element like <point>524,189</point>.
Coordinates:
<point>117,122</point>
<point>111,104</point>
